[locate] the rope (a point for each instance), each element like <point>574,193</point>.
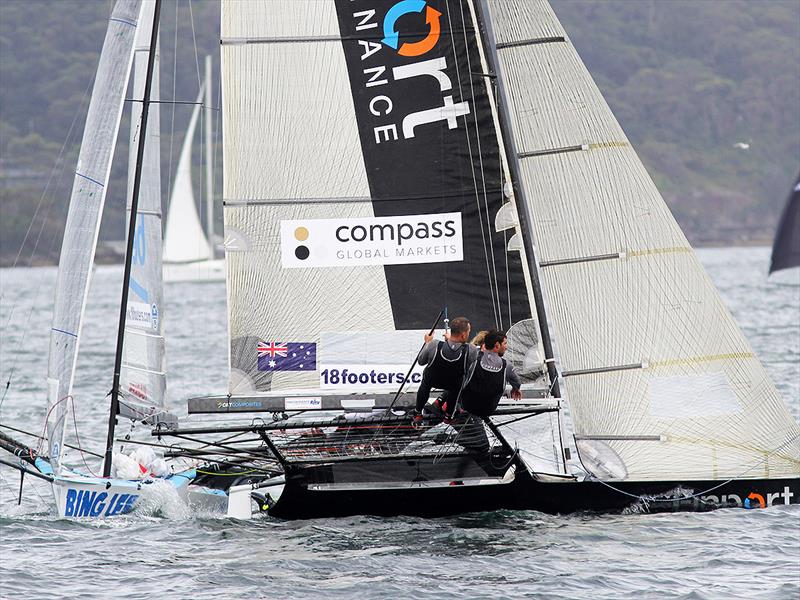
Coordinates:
<point>486,251</point>
<point>480,163</point>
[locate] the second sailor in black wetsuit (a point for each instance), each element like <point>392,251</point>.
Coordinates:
<point>446,364</point>
<point>487,378</point>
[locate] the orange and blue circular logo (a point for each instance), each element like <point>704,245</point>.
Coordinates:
<point>748,502</point>
<point>391,37</point>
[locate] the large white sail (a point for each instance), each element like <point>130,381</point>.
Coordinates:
<point>143,378</point>
<point>83,219</point>
<point>661,382</point>
<point>184,239</point>
<point>330,129</point>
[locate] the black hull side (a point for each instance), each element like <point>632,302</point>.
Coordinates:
<point>526,493</point>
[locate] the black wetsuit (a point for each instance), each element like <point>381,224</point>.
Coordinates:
<point>480,396</point>
<point>446,367</point>
<point>486,385</point>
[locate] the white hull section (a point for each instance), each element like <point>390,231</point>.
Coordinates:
<point>200,271</point>
<point>79,495</point>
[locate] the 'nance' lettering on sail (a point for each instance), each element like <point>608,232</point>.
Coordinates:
<point>442,107</point>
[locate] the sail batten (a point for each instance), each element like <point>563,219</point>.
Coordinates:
<point>645,345</point>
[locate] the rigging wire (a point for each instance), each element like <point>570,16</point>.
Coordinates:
<point>201,85</point>
<point>174,97</point>
<point>480,160</point>
<point>486,251</point>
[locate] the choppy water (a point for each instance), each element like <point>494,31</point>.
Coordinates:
<point>729,553</point>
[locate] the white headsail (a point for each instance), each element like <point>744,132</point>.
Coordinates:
<point>661,382</point>
<point>184,239</point>
<point>143,379</point>
<point>83,219</point>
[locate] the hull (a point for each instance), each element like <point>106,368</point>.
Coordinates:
<point>302,499</point>
<point>79,495</point>
<point>201,271</point>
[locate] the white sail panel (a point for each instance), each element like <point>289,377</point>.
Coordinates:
<point>634,312</point>
<point>83,218</point>
<point>292,151</point>
<point>184,238</point>
<point>143,379</point>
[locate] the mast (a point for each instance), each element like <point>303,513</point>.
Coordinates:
<point>114,409</point>
<point>209,117</point>
<point>482,12</point>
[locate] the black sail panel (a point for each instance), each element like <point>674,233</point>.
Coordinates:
<point>430,147</point>
<point>786,247</point>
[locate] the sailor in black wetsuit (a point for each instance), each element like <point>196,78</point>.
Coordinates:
<point>486,383</point>
<point>446,362</point>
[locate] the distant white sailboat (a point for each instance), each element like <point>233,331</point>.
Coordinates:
<point>188,250</point>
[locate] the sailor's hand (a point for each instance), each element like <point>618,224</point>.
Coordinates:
<point>516,394</point>
<point>428,338</point>
<point>416,417</point>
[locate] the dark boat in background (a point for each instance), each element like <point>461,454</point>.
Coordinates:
<point>786,247</point>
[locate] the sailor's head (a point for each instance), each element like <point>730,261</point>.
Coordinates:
<point>459,330</point>
<point>496,341</point>
<point>478,339</point>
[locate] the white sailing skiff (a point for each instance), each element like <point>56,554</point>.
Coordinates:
<point>139,390</point>
<point>188,250</point>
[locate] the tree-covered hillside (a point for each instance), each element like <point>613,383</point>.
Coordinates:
<point>693,82</point>
<point>707,90</point>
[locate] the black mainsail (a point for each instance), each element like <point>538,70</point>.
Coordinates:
<point>786,247</point>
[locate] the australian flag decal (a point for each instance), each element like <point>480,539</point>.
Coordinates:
<point>287,356</point>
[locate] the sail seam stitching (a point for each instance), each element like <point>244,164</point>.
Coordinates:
<point>701,359</point>
<point>668,250</point>
<point>142,369</point>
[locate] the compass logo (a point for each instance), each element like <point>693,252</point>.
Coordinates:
<point>402,8</point>
<point>362,241</point>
